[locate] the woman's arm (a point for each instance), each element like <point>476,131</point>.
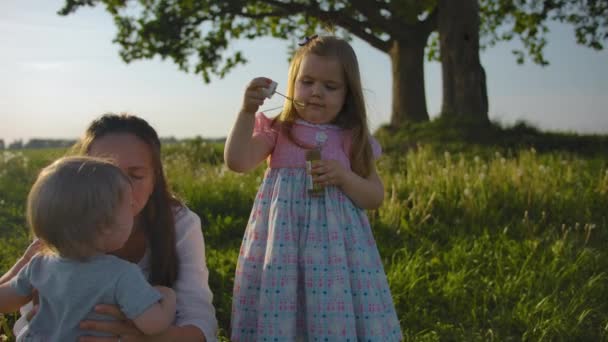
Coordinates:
<point>12,272</point>
<point>127,331</point>
<point>243,151</point>
<point>194,296</point>
<point>31,250</point>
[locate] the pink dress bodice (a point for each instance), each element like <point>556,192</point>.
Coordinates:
<point>335,142</point>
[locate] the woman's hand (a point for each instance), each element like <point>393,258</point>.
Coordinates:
<point>123,329</point>
<point>255,95</point>
<point>329,172</point>
<point>35,306</point>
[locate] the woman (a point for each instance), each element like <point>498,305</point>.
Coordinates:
<point>166,241</point>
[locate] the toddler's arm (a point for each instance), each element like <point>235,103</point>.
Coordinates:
<point>10,299</point>
<point>158,317</point>
<point>243,152</point>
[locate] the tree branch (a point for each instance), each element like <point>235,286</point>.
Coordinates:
<point>371,10</point>
<point>431,22</point>
<point>338,17</point>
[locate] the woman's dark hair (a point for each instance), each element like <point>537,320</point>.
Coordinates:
<point>157,216</point>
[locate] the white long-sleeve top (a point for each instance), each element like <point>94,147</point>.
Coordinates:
<point>194,297</point>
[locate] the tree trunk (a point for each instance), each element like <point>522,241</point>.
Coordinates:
<point>409,98</point>
<point>464,79</point>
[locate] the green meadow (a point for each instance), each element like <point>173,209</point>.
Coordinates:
<point>481,240</point>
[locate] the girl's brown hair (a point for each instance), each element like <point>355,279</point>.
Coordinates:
<point>72,200</point>
<point>353,115</point>
<point>157,216</point>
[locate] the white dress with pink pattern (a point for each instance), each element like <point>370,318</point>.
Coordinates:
<point>308,267</point>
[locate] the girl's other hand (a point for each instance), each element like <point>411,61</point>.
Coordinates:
<point>255,95</point>
<point>329,172</point>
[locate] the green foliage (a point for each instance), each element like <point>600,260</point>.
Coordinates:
<point>18,170</point>
<point>503,20</point>
<point>479,243</point>
<point>196,35</point>
<point>182,29</point>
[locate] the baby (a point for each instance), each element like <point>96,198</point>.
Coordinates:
<point>81,209</point>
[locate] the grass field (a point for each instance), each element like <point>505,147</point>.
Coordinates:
<point>480,243</point>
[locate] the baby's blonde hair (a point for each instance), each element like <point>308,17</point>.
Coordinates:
<point>353,115</point>
<point>72,200</point>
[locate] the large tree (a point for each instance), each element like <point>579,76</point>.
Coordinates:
<point>462,23</point>
<point>464,78</point>
<point>179,29</point>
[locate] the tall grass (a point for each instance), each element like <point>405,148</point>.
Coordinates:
<point>481,244</point>
<point>496,248</point>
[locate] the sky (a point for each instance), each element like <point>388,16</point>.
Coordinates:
<point>59,73</point>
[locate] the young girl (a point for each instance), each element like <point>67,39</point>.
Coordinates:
<point>309,268</point>
<point>81,209</point>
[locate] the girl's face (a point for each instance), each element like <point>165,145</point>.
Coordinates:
<point>118,234</point>
<point>321,86</point>
<point>134,158</point>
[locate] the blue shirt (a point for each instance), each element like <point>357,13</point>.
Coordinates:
<point>69,290</point>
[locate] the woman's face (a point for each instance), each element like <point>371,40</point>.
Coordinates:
<point>118,234</point>
<point>134,157</point>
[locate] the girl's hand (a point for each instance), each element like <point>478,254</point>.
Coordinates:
<point>123,329</point>
<point>329,172</point>
<point>254,95</point>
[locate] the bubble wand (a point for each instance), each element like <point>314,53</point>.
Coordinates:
<point>272,89</point>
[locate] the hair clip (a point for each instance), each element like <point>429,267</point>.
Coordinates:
<point>308,39</point>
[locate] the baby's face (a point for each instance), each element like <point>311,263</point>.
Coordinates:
<point>120,232</point>
<point>321,86</point>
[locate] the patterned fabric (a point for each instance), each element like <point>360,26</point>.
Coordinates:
<point>308,267</point>
<point>288,154</point>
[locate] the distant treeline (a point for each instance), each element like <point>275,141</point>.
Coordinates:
<point>37,143</point>
<point>57,143</point>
